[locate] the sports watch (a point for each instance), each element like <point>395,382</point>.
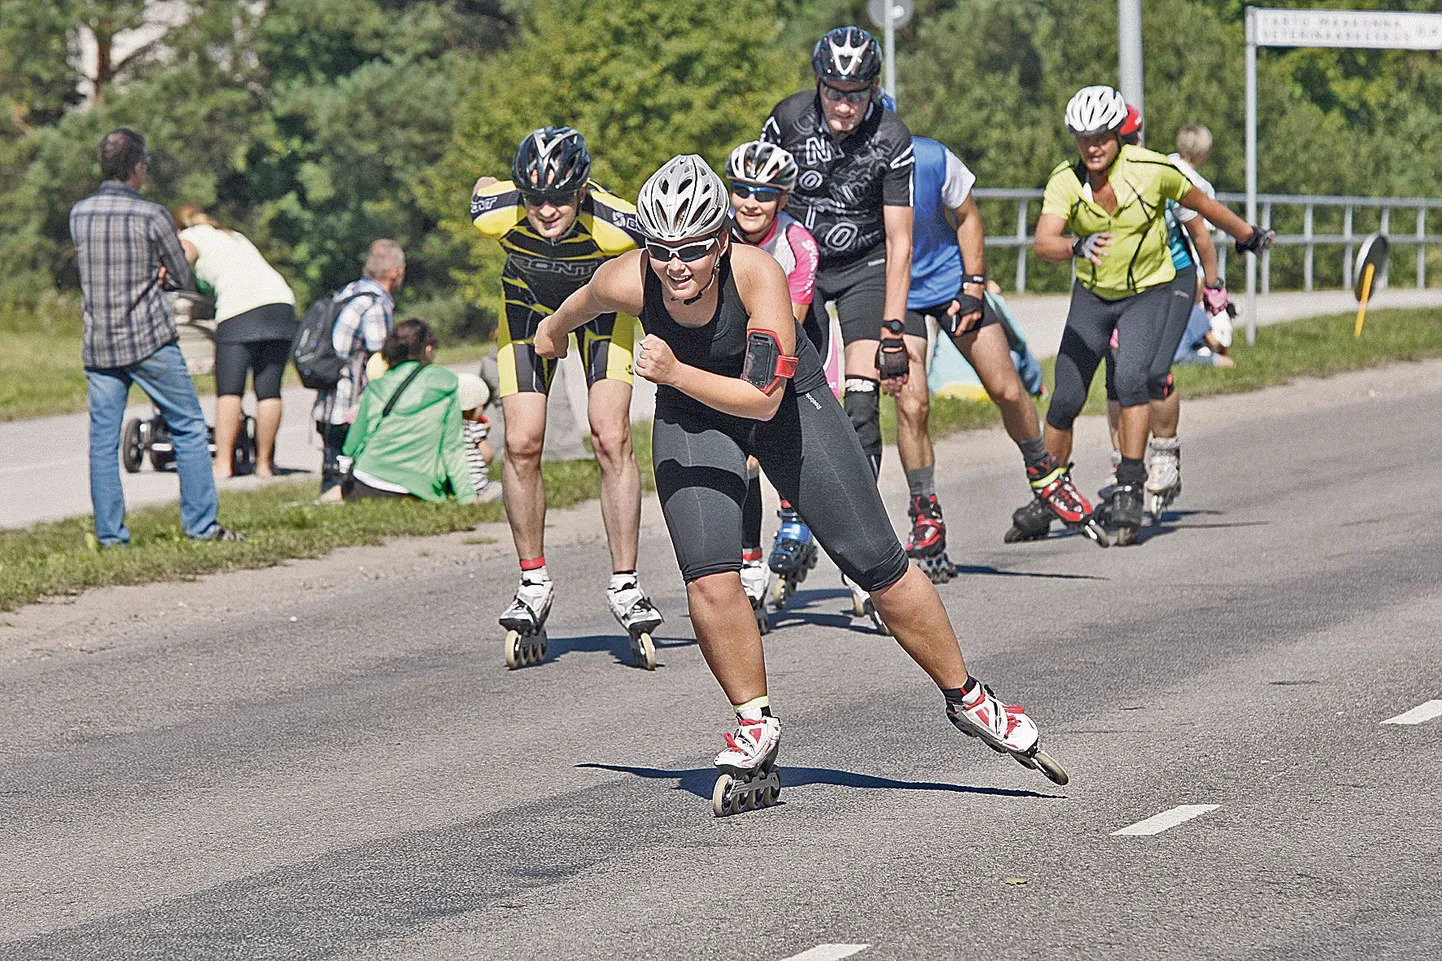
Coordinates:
<point>893,325</point>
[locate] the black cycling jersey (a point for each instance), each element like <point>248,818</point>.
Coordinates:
<point>843,184</point>
<point>719,345</point>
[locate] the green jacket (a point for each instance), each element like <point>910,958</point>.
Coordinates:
<point>420,446</point>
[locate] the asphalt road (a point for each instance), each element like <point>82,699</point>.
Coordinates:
<point>348,771</point>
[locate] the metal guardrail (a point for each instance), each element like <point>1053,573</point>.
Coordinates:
<point>1308,240</point>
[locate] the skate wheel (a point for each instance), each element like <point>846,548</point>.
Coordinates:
<point>513,650</point>
<point>645,649</point>
<point>719,795</point>
<point>1094,531</point>
<point>763,622</point>
<point>778,592</point>
<point>1126,535</point>
<point>1047,764</point>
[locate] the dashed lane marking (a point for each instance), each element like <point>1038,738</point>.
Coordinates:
<point>1158,823</point>
<point>828,952</point>
<point>1418,714</point>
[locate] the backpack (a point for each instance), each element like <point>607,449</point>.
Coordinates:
<point>313,349</point>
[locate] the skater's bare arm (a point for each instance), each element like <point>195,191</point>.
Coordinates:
<point>615,287</point>
<point>1206,250</point>
<point>899,222</point>
<point>1217,212</point>
<point>971,241</point>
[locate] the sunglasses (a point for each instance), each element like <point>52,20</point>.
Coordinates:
<point>540,196</point>
<point>686,253</point>
<point>763,194</point>
<point>853,97</point>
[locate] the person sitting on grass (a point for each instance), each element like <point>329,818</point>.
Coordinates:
<point>406,440</point>
<point>474,395</point>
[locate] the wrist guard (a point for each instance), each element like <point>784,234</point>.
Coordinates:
<point>891,358</point>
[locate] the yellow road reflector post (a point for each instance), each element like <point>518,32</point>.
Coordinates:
<point>1367,275</point>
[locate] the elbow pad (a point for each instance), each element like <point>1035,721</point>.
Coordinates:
<point>765,366</point>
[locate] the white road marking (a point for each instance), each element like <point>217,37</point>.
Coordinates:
<point>1418,714</point>
<point>1158,823</point>
<point>828,952</point>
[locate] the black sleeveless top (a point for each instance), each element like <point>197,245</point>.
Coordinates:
<point>719,345</point>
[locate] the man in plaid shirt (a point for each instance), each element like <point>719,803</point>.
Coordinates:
<point>360,330</point>
<point>127,249</point>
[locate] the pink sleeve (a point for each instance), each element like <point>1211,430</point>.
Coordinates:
<point>802,279</point>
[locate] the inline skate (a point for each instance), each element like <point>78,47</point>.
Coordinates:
<point>749,778</point>
<point>1126,512</point>
<point>793,555</point>
<point>525,621</point>
<point>1052,485</point>
<point>754,580</point>
<point>927,543</point>
<point>1164,475</point>
<point>636,614</point>
<point>1005,729</point>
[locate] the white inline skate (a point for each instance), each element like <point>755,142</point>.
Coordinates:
<point>863,606</point>
<point>1005,729</point>
<point>525,621</point>
<point>754,580</point>
<point>635,613</point>
<point>749,776</point>
<point>1164,475</point>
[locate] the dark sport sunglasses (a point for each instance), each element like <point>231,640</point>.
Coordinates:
<point>763,194</point>
<point>686,253</point>
<point>854,97</point>
<point>539,197</point>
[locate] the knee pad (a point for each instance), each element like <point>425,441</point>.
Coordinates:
<point>863,406</point>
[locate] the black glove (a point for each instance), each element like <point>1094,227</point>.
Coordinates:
<point>891,358</point>
<point>969,305</point>
<point>1259,240</point>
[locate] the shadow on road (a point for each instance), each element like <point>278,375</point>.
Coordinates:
<point>1044,575</point>
<point>615,644</point>
<point>699,781</point>
<point>1173,521</point>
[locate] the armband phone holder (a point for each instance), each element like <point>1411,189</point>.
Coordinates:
<point>766,366</point>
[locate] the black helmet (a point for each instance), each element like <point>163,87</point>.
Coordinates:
<point>552,159</point>
<point>847,54</point>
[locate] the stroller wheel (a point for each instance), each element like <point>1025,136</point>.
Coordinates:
<point>132,446</point>
<point>244,456</point>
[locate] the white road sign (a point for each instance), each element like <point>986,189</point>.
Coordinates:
<point>1348,28</point>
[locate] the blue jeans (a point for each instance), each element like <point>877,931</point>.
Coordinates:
<point>163,376</point>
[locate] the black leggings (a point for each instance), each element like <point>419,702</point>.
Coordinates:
<point>1179,312</point>
<point>266,357</point>
<point>808,450</point>
<point>1138,321</point>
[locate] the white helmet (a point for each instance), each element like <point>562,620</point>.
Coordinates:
<point>683,199</point>
<point>762,164</point>
<point>1095,109</point>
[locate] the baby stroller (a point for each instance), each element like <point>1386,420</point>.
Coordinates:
<point>195,323</point>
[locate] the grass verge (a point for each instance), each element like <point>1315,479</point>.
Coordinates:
<point>41,373</point>
<point>53,559</point>
<point>57,559</point>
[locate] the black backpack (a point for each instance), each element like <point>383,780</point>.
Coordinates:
<point>313,349</point>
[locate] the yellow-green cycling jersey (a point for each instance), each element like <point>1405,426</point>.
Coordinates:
<point>1138,257</point>
<point>540,274</point>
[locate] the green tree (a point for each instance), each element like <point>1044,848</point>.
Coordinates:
<point>643,80</point>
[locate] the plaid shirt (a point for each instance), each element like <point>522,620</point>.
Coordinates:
<point>121,242</point>
<point>360,331</point>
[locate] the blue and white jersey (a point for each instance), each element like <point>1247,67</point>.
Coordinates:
<point>940,183</point>
<point>1177,215</point>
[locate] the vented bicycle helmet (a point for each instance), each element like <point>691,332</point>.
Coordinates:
<point>552,159</point>
<point>847,55</point>
<point>1094,110</point>
<point>762,164</point>
<point>683,199</point>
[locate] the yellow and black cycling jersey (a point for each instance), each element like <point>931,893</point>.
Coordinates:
<point>605,226</point>
<point>1139,256</point>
